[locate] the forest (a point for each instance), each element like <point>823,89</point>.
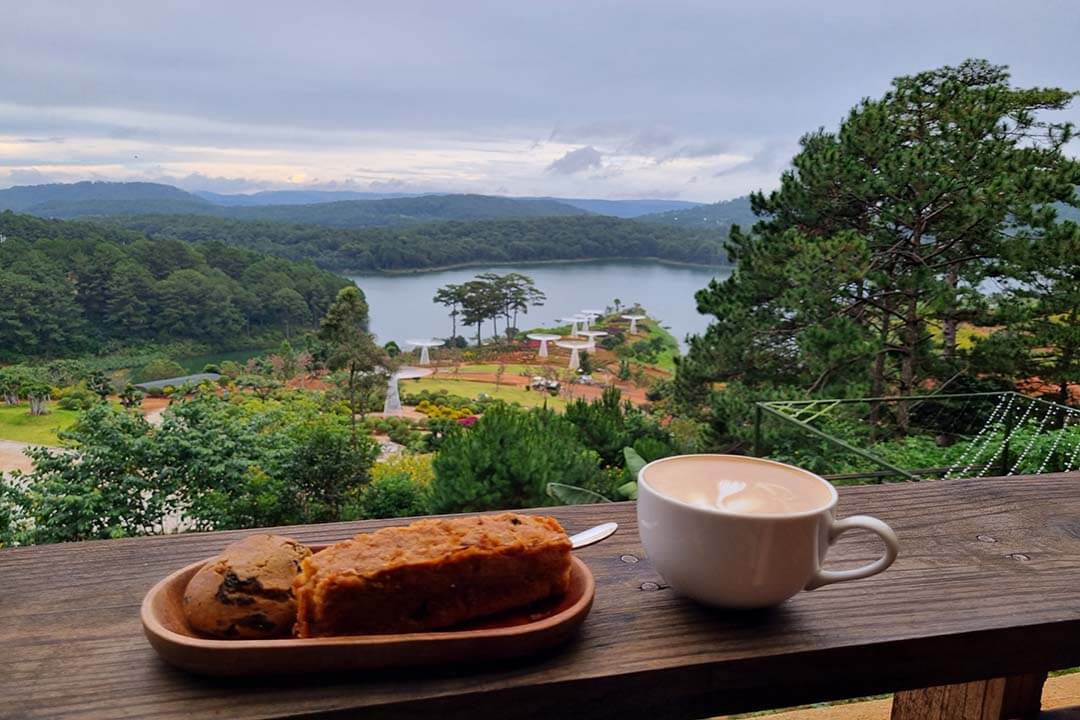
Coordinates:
<point>920,247</point>
<point>446,243</point>
<point>70,288</point>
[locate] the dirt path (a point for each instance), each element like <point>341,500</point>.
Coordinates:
<point>12,457</point>
<point>634,394</point>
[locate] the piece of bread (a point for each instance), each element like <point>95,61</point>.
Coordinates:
<point>431,574</point>
<point>247,591</point>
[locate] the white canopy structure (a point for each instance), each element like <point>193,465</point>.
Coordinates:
<point>392,406</point>
<point>574,321</point>
<point>544,339</point>
<point>424,345</point>
<point>574,346</point>
<point>590,315</point>
<point>591,335</point>
<point>633,322</point>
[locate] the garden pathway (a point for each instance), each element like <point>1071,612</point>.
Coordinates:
<point>12,457</point>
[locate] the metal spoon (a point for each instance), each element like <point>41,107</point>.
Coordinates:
<point>593,535</point>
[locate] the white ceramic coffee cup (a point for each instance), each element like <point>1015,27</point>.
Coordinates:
<point>739,560</point>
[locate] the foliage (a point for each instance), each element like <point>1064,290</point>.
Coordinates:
<point>446,243</point>
<point>392,495</point>
<point>507,459</point>
<point>75,397</point>
<point>490,296</point>
<point>213,464</point>
<point>880,231</point>
<point>73,287</point>
<point>607,425</point>
<point>158,369</point>
<point>418,467</point>
<point>365,367</point>
<point>442,412</point>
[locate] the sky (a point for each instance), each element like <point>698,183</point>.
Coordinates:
<point>700,101</point>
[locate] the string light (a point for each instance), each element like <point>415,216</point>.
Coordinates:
<point>975,440</point>
<point>1006,440</point>
<point>1032,441</point>
<point>1057,441</point>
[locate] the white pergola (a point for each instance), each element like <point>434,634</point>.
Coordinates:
<point>591,335</point>
<point>544,339</point>
<point>424,345</point>
<point>574,321</point>
<point>574,346</point>
<point>590,315</point>
<point>633,322</point>
<point>392,406</point>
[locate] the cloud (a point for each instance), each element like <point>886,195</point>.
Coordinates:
<point>648,142</point>
<point>772,157</point>
<point>575,161</point>
<point>40,140</point>
<point>28,176</point>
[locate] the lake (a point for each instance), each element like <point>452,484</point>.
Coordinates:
<point>402,308</point>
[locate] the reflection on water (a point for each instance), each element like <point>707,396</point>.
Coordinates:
<point>401,305</point>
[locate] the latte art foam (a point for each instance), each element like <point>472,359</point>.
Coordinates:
<point>739,487</point>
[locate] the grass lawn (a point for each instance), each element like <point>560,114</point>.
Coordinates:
<point>16,423</point>
<point>470,389</point>
<point>509,369</point>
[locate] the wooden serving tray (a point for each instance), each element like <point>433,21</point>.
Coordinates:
<point>515,633</point>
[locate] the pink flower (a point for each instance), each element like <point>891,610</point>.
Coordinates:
<point>467,421</point>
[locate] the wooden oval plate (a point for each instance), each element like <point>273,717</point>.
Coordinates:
<point>515,633</point>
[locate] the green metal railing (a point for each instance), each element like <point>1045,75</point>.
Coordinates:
<point>806,411</point>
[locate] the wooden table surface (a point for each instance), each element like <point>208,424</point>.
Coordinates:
<point>987,584</point>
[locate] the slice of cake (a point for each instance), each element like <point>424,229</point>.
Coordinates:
<point>431,574</point>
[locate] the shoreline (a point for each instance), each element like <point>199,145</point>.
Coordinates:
<point>509,263</point>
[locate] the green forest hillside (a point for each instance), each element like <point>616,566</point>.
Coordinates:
<point>447,243</point>
<point>101,199</point>
<point>73,287</point>
<point>717,216</point>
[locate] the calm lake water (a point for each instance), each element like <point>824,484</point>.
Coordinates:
<point>402,308</point>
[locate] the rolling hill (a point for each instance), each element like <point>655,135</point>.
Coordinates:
<point>443,244</point>
<point>96,200</point>
<point>717,216</point>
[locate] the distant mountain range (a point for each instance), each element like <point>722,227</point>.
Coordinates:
<point>718,216</point>
<point>310,207</point>
<point>614,208</point>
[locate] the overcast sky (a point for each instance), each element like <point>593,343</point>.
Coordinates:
<point>692,100</point>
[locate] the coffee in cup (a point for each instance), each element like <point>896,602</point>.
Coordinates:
<point>742,532</point>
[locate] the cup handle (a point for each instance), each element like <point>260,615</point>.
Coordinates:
<point>864,522</point>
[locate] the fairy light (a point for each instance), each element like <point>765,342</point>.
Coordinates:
<point>1032,441</point>
<point>1057,441</point>
<point>975,441</point>
<point>1006,439</point>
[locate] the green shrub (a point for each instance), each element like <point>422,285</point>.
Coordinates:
<point>391,496</point>
<point>211,368</point>
<point>507,459</point>
<point>75,397</point>
<point>158,369</point>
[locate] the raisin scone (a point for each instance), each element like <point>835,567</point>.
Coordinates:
<point>247,591</point>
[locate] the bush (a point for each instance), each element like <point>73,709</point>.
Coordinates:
<point>608,425</point>
<point>507,459</point>
<point>211,368</point>
<point>158,369</point>
<point>417,466</point>
<point>391,496</point>
<point>75,397</point>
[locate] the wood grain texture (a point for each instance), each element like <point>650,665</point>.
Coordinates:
<point>1017,697</point>
<point>986,586</point>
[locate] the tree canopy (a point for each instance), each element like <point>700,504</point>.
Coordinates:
<point>876,244</point>
<point>71,287</point>
<point>446,243</point>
